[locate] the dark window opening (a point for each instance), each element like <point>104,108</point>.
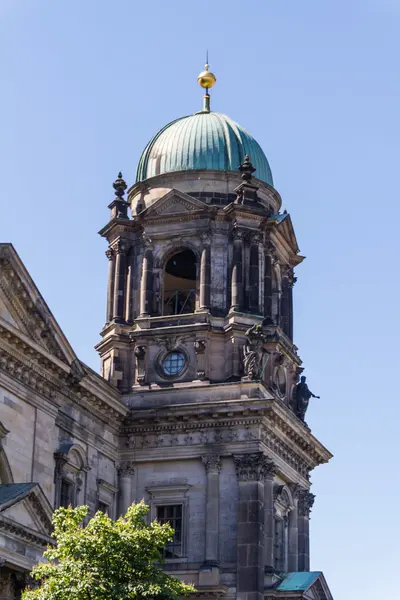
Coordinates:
<point>180,284</point>
<point>103,507</point>
<point>66,493</point>
<point>172,514</point>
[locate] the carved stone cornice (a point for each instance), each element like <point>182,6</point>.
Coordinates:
<point>212,463</point>
<point>306,502</point>
<point>253,467</point>
<point>9,526</point>
<point>32,369</point>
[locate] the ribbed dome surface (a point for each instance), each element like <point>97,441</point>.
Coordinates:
<point>206,140</point>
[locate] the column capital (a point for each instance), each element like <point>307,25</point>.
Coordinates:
<point>306,501</point>
<point>120,247</point>
<point>206,238</point>
<point>212,463</point>
<point>110,253</point>
<point>238,234</point>
<point>125,468</point>
<point>253,467</point>
<point>147,241</point>
<point>256,237</point>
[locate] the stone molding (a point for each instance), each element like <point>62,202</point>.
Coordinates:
<point>253,467</point>
<point>212,463</point>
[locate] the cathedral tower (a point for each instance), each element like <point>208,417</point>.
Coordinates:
<point>199,340</point>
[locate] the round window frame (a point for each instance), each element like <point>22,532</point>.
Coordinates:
<point>163,355</point>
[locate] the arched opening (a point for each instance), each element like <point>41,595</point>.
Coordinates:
<point>180,283</point>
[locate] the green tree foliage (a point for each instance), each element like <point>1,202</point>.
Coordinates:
<point>106,559</point>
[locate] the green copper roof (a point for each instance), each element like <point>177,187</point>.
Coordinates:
<point>206,140</point>
<point>294,582</point>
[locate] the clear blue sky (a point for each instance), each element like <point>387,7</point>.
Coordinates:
<point>86,83</point>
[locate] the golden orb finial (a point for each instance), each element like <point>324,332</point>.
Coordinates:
<point>206,79</point>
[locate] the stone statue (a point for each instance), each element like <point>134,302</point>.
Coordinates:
<point>302,398</point>
<point>253,352</point>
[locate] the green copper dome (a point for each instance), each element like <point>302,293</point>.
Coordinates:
<point>205,140</point>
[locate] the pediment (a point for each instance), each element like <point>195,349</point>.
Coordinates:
<point>23,309</point>
<point>286,228</point>
<point>27,506</point>
<point>174,203</point>
<point>306,585</point>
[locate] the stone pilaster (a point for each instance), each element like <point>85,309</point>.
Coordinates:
<point>125,471</point>
<point>209,574</point>
<point>146,284</point>
<point>200,349</point>
<point>119,281</point>
<point>254,277</point>
<point>268,288</point>
<point>284,301</point>
<point>305,503</point>
<point>270,472</point>
<point>250,471</point>
<point>110,286</point>
<point>237,271</point>
<point>293,536</point>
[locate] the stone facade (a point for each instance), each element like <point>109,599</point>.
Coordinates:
<point>195,411</point>
<point>59,426</point>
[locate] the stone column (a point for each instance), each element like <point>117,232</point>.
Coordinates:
<point>268,287</point>
<point>129,286</point>
<point>237,271</point>
<point>292,281</point>
<point>205,278</point>
<point>119,281</point>
<point>125,471</point>
<point>270,472</point>
<point>305,502</point>
<point>254,278</point>
<point>146,284</point>
<point>250,471</point>
<point>110,287</point>
<point>293,537</point>
<point>209,574</point>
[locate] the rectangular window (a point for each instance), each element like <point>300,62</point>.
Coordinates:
<point>172,514</point>
<point>66,493</point>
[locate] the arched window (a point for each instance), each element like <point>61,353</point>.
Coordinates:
<point>70,472</point>
<point>180,283</point>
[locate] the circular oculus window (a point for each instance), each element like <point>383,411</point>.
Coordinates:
<point>173,363</point>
